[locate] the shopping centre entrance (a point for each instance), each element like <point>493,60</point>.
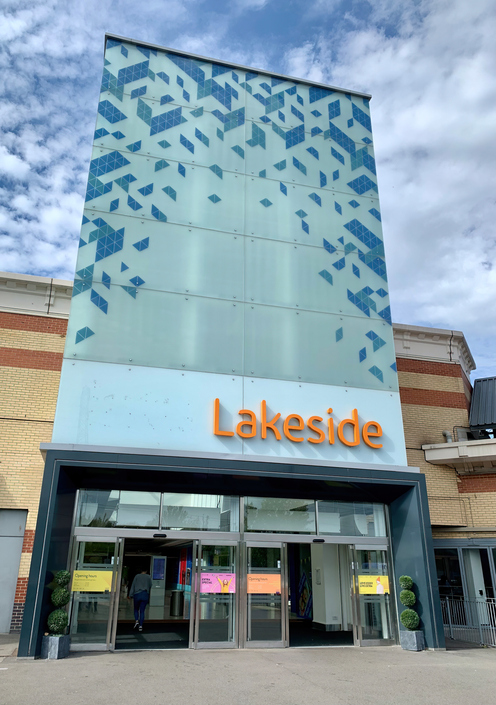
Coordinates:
<point>211,593</point>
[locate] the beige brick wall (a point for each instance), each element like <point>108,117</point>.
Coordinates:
<point>424,424</point>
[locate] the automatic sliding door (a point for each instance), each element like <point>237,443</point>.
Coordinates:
<point>93,586</point>
<point>372,596</point>
<point>216,613</point>
<point>266,595</point>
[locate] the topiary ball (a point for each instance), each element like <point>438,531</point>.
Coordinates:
<point>57,621</point>
<point>407,598</point>
<point>410,619</point>
<point>62,578</point>
<point>406,583</point>
<point>61,596</point>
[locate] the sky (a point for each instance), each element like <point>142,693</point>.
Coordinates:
<point>430,67</point>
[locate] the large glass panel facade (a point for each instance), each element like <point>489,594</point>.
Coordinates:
<point>280,515</point>
<point>351,519</point>
<point>209,512</point>
<point>202,512</point>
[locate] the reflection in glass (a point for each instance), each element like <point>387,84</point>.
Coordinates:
<point>202,512</point>
<point>477,573</point>
<point>449,576</point>
<point>264,612</point>
<point>351,518</point>
<point>108,508</point>
<point>217,581</point>
<point>276,515</point>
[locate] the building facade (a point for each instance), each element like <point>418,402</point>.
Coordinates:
<point>33,323</point>
<point>433,370</point>
<point>228,415</point>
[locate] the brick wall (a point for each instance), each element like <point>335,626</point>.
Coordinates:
<point>435,397</point>
<point>31,350</point>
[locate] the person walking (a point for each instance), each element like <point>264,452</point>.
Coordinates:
<point>140,591</point>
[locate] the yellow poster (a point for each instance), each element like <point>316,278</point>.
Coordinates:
<point>373,584</point>
<point>264,584</point>
<point>92,581</point>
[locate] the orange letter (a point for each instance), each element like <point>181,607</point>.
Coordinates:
<point>330,426</point>
<point>290,427</point>
<point>376,434</point>
<point>356,434</point>
<point>320,433</point>
<point>217,432</point>
<point>252,424</point>
<point>269,424</point>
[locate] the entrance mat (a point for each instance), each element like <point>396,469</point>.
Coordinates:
<point>154,636</point>
<point>301,633</point>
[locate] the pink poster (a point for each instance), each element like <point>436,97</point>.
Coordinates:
<point>218,582</point>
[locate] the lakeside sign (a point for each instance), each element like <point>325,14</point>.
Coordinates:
<point>348,431</point>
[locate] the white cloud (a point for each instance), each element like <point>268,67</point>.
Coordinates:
<point>429,65</point>
<point>11,165</point>
<point>434,116</point>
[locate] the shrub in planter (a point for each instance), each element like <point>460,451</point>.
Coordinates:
<point>410,619</point>
<point>413,638</point>
<point>55,643</point>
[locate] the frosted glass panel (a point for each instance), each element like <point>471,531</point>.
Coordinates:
<point>159,329</point>
<point>308,277</point>
<point>315,347</point>
<point>274,515</point>
<point>231,225</point>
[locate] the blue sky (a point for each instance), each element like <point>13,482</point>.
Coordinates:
<point>428,65</point>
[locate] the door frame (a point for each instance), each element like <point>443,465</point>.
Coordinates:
<point>243,636</point>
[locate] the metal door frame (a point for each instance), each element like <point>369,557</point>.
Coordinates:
<point>116,570</point>
<point>284,641</point>
<point>194,627</point>
<point>355,596</point>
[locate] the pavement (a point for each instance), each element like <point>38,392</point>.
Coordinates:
<point>311,676</point>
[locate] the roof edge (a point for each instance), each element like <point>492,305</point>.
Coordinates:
<point>199,57</point>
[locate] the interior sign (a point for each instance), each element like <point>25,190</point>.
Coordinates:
<point>294,428</point>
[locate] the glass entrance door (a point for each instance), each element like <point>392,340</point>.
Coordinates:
<point>371,591</point>
<point>94,579</point>
<point>215,618</point>
<point>265,599</point>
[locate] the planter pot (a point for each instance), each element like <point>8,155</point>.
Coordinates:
<point>55,647</point>
<point>412,641</point>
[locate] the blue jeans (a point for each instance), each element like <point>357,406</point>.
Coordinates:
<point>140,602</point>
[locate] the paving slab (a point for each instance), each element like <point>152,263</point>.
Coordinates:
<point>316,676</point>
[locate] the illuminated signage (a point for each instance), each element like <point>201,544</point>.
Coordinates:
<point>348,431</point>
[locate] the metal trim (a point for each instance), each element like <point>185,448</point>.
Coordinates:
<point>95,533</point>
<point>117,593</point>
<point>309,538</point>
<point>241,67</point>
<point>227,457</point>
<point>192,604</point>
